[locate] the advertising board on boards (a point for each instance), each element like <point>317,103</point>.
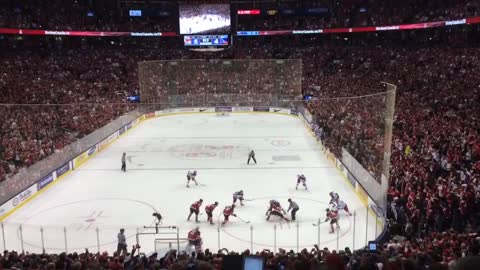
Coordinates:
<point>261,109</point>
<point>223,109</point>
<point>149,115</point>
<point>242,109</point>
<point>45,181</point>
<point>24,195</point>
<point>280,110</point>
<point>63,169</point>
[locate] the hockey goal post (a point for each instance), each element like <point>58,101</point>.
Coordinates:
<point>223,114</point>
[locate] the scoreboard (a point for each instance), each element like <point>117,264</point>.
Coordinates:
<point>206,40</point>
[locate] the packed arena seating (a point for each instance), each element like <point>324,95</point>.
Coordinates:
<point>440,251</point>
<point>435,166</point>
<point>72,15</point>
<point>367,13</point>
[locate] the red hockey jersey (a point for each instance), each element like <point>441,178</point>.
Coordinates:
<point>194,235</point>
<point>196,205</point>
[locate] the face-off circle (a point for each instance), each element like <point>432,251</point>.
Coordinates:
<point>83,218</point>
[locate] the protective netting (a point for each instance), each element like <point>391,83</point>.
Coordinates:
<point>358,130</point>
<point>219,82</point>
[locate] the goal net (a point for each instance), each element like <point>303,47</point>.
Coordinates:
<point>218,82</point>
<point>223,114</point>
<point>164,245</point>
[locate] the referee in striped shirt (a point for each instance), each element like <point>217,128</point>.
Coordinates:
<point>294,207</point>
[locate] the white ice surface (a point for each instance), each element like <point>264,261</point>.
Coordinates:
<point>160,152</point>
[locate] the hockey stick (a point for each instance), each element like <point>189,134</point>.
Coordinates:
<point>246,222</point>
<point>316,224</point>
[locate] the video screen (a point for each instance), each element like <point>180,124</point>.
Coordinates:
<point>204,19</point>
<point>253,263</point>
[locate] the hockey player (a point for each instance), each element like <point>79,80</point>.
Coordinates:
<point>274,202</point>
<point>227,212</point>
<point>332,215</point>
<point>238,196</point>
<point>124,162</point>
<point>159,218</point>
<point>209,210</point>
<point>195,209</point>
<point>294,207</point>
<point>341,205</point>
<point>251,155</point>
<point>301,179</point>
<point>276,210</point>
<point>191,177</point>
<point>194,239</point>
<point>334,198</point>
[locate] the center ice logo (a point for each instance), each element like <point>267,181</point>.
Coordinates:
<point>202,151</point>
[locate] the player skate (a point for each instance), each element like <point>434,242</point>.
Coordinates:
<point>195,209</point>
<point>191,177</point>
<point>209,210</point>
<point>301,179</point>
<point>238,196</point>
<point>332,216</point>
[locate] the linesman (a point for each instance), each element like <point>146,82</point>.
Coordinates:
<point>251,155</point>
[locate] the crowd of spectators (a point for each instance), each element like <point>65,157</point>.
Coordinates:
<point>102,16</point>
<point>74,15</point>
<point>440,251</point>
<point>355,13</point>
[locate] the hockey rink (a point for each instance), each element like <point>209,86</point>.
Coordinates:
<point>88,207</point>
